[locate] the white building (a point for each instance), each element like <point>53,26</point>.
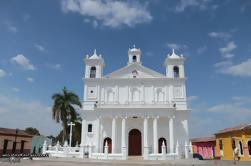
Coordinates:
<point>135,111</point>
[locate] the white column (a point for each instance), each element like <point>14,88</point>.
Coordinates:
<point>170,93</point>
<point>167,93</point>
<point>153,94</point>
<point>146,148</point>
<point>155,135</point>
<point>123,139</point>
<point>117,94</point>
<point>98,136</point>
<point>83,138</point>
<point>114,145</point>
<point>83,132</point>
<point>171,135</point>
<point>142,93</point>
<point>127,97</point>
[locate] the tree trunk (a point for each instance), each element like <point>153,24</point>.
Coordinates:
<point>65,133</point>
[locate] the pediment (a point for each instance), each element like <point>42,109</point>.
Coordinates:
<point>136,70</point>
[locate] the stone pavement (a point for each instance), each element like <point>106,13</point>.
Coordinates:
<point>88,162</point>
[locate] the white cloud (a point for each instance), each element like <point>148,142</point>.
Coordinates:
<point>10,26</point>
<point>30,79</point>
<point>19,113</point>
<point>16,89</point>
<point>2,73</point>
<point>176,46</point>
<point>13,29</point>
<point>223,64</point>
<point>235,112</point>
<point>184,4</point>
<point>55,66</point>
<point>27,17</point>
<point>23,61</point>
<point>220,35</point>
<point>242,69</point>
<point>109,13</point>
<point>192,98</point>
<point>227,51</point>
<point>95,23</point>
<point>86,20</point>
<point>201,49</point>
<point>39,47</point>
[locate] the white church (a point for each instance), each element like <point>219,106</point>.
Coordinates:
<point>135,111</point>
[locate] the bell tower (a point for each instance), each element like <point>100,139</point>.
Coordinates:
<point>94,65</point>
<point>134,55</point>
<point>175,65</point>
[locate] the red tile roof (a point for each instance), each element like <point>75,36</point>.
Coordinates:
<point>7,131</point>
<point>235,128</point>
<point>204,139</point>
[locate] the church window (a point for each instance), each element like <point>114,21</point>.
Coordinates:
<point>134,73</point>
<point>91,91</point>
<point>176,72</point>
<point>134,58</point>
<point>93,72</point>
<point>89,128</point>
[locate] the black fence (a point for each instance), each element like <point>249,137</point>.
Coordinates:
<point>23,155</point>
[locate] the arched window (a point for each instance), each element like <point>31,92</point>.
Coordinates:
<point>109,144</point>
<point>249,147</point>
<point>176,73</point>
<point>134,58</point>
<point>93,72</point>
<point>161,140</point>
<point>134,73</point>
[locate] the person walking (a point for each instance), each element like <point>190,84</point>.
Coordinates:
<point>236,155</point>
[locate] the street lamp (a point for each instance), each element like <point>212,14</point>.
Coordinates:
<point>15,143</point>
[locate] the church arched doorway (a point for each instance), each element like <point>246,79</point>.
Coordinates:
<point>160,144</point>
<point>134,143</point>
<point>109,143</point>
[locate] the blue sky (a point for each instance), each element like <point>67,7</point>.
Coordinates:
<point>43,43</point>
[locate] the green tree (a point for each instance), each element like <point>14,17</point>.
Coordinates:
<point>32,131</point>
<point>76,135</point>
<point>64,109</point>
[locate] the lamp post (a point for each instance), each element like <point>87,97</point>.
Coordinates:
<point>15,143</point>
<point>71,124</point>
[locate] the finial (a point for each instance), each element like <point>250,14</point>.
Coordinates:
<point>173,51</point>
<point>134,46</point>
<point>95,52</point>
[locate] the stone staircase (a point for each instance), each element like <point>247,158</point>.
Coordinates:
<point>135,157</point>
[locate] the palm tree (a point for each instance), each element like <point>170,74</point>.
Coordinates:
<point>63,109</point>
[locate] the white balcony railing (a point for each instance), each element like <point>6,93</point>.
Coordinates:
<point>135,104</point>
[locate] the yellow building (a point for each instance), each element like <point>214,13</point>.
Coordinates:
<point>230,138</point>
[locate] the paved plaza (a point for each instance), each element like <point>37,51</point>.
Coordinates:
<point>86,162</point>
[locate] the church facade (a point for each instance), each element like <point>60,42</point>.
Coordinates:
<point>135,111</point>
